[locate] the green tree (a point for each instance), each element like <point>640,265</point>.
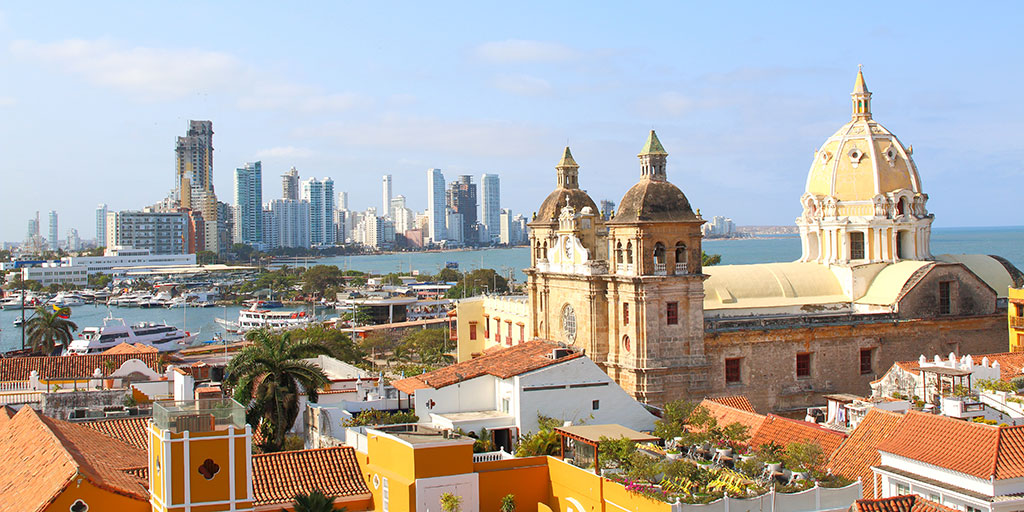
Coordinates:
<point>544,441</point>
<point>318,279</point>
<point>451,502</point>
<point>448,275</point>
<point>428,346</point>
<point>207,258</point>
<point>686,419</point>
<point>339,343</point>
<point>5,255</point>
<point>95,251</point>
<point>315,501</point>
<point>478,281</point>
<point>244,253</point>
<point>44,330</point>
<point>708,260</point>
<point>269,376</point>
<point>392,279</point>
<point>99,280</point>
<point>508,503</point>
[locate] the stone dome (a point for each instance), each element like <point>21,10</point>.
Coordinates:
<point>568,189</point>
<point>862,160</point>
<point>652,200</point>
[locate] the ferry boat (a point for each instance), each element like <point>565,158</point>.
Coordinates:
<point>253,318</point>
<point>115,331</point>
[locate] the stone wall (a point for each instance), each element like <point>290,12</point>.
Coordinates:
<point>60,405</point>
<point>969,295</point>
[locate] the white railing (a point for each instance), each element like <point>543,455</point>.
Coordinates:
<point>680,268</point>
<point>816,499</point>
<point>15,385</point>
<point>625,268</point>
<point>660,269</point>
<point>21,398</point>
<point>492,456</point>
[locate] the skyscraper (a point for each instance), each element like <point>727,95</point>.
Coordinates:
<point>290,184</point>
<point>436,207</point>
<point>74,242</point>
<point>462,200</point>
<point>386,194</point>
<point>101,225</point>
<point>290,223</point>
<point>343,200</point>
<point>320,195</point>
<point>491,206</point>
<point>249,204</point>
<point>193,179</point>
<point>53,242</point>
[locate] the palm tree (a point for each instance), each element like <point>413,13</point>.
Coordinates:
<point>47,328</point>
<point>315,501</point>
<point>269,377</point>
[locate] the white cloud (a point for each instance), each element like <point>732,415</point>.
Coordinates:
<point>7,101</point>
<point>153,73</point>
<point>519,50</point>
<point>523,85</point>
<point>299,98</point>
<point>284,152</point>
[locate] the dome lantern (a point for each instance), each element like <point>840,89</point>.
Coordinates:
<point>652,159</point>
<point>861,97</point>
<point>568,171</point>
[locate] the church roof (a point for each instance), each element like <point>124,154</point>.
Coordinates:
<point>995,271</point>
<point>886,287</point>
<point>770,285</point>
<point>653,146</point>
<point>567,159</point>
<point>654,201</point>
<point>578,199</point>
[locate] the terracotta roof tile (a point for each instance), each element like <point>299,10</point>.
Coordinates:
<point>68,367</point>
<point>783,431</point>
<point>1010,364</point>
<point>905,503</point>
<point>278,477</point>
<point>736,402</point>
<point>858,452</point>
<point>979,450</point>
<point>48,454</point>
<point>127,348</point>
<point>133,431</point>
<point>726,414</point>
<point>502,363</point>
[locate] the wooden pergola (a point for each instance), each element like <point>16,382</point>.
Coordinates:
<point>591,436</point>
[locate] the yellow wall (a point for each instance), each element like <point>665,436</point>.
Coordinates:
<point>207,445</point>
<point>483,311</point>
<point>526,478</point>
<point>1016,322</point>
<point>97,499</point>
<point>569,483</point>
<point>466,311</point>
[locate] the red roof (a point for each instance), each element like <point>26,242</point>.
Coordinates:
<point>70,367</point>
<point>905,503</point>
<point>133,431</point>
<point>726,414</point>
<point>1010,364</point>
<point>975,449</point>
<point>279,477</point>
<point>859,452</point>
<point>499,362</point>
<point>127,348</point>
<point>736,402</point>
<point>783,431</point>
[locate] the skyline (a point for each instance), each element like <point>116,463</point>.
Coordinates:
<point>740,105</point>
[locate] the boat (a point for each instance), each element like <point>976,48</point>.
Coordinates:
<point>16,302</point>
<point>67,299</point>
<point>18,321</point>
<point>264,304</point>
<point>163,337</point>
<point>254,318</point>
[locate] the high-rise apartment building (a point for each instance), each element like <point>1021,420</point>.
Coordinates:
<point>289,223</point>
<point>386,194</point>
<point>436,206</point>
<point>193,183</point>
<point>320,195</point>
<point>160,232</point>
<point>33,227</point>
<point>249,204</point>
<point>454,224</point>
<point>491,206</point>
<point>462,200</point>
<point>290,184</point>
<point>53,242</point>
<point>343,200</point>
<point>74,241</point>
<point>401,217</point>
<point>505,230</point>
<point>101,225</point>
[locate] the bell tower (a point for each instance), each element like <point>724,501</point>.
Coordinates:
<point>200,457</point>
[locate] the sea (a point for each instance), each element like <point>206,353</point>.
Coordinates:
<point>1007,242</point>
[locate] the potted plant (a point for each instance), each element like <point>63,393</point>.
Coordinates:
<point>771,453</point>
<point>673,454</point>
<point>723,448</point>
<point>508,503</point>
<point>451,502</point>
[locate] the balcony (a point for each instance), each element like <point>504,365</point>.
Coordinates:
<point>680,268</point>
<point>660,269</point>
<point>1017,322</point>
<point>624,268</point>
<point>196,416</point>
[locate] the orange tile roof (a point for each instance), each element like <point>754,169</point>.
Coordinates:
<point>1010,364</point>
<point>70,367</point>
<point>499,362</point>
<point>130,430</point>
<point>278,477</point>
<point>905,503</point>
<point>45,455</point>
<point>782,431</point>
<point>726,414</point>
<point>736,402</point>
<point>127,348</point>
<point>858,452</point>
<point>979,450</point>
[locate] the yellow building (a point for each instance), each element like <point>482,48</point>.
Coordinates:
<point>491,321</point>
<point>1015,315</point>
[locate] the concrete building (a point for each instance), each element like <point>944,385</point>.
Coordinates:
<point>53,240</point>
<point>320,195</point>
<point>490,206</point>
<point>101,225</point>
<point>290,184</point>
<point>454,228</point>
<point>74,241</point>
<point>221,228</point>
<point>193,181</point>
<point>343,200</point>
<point>290,223</point>
<point>385,202</point>
<point>607,209</point>
<point>341,226</point>
<point>118,260</point>
<point>437,211</point>
<point>249,204</point>
<point>54,273</point>
<point>158,232</point>
<point>506,233</point>
<point>719,226</point>
<point>462,200</point>
<point>403,218</point>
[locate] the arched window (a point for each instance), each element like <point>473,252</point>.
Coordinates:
<point>681,258</point>
<point>629,253</point>
<point>659,258</point>
<point>901,206</point>
<point>618,253</point>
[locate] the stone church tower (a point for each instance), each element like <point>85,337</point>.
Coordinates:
<point>629,292</point>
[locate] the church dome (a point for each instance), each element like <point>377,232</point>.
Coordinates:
<point>653,198</point>
<point>863,159</point>
<point>568,191</point>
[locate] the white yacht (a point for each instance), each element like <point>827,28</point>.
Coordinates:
<point>115,331</point>
<point>252,318</point>
<point>67,299</point>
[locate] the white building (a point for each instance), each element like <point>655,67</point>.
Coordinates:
<point>249,204</point>
<point>386,193</point>
<point>117,260</point>
<point>53,273</point>
<point>453,227</point>
<point>505,232</point>
<point>320,195</point>
<point>290,184</point>
<point>101,225</point>
<point>506,390</point>
<point>436,207</point>
<point>74,241</point>
<point>491,206</point>
<point>54,239</point>
<point>291,224</point>
<point>159,232</point>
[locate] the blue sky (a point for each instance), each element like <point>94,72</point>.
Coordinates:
<point>92,97</point>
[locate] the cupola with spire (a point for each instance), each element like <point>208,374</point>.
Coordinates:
<point>653,198</point>
<point>568,171</point>
<point>861,97</point>
<point>567,192</point>
<point>652,159</point>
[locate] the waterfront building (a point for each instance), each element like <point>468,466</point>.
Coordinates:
<point>343,200</point>
<point>158,232</point>
<point>101,225</point>
<point>1015,318</point>
<point>454,227</point>
<point>520,230</point>
<point>74,241</point>
<point>402,217</point>
<point>193,183</point>
<point>341,226</point>
<point>462,201</point>
<point>249,204</point>
<point>491,206</point>
<point>48,273</point>
<point>53,241</point>
<point>290,226</point>
<point>437,212</point>
<point>719,226</point>
<point>290,184</point>
<point>386,194</point>
<point>320,195</point>
<point>506,232</point>
<point>222,228</point>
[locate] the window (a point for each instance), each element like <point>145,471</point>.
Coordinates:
<point>625,313</point>
<point>945,297</point>
<point>902,489</point>
<point>803,365</point>
<point>625,343</point>
<point>505,405</point>
<point>487,327</point>
<point>569,323</point>
<point>595,405</point>
<point>1019,308</point>
<point>672,313</point>
<point>865,361</point>
<point>472,331</point>
<point>732,370</point>
<point>856,246</point>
